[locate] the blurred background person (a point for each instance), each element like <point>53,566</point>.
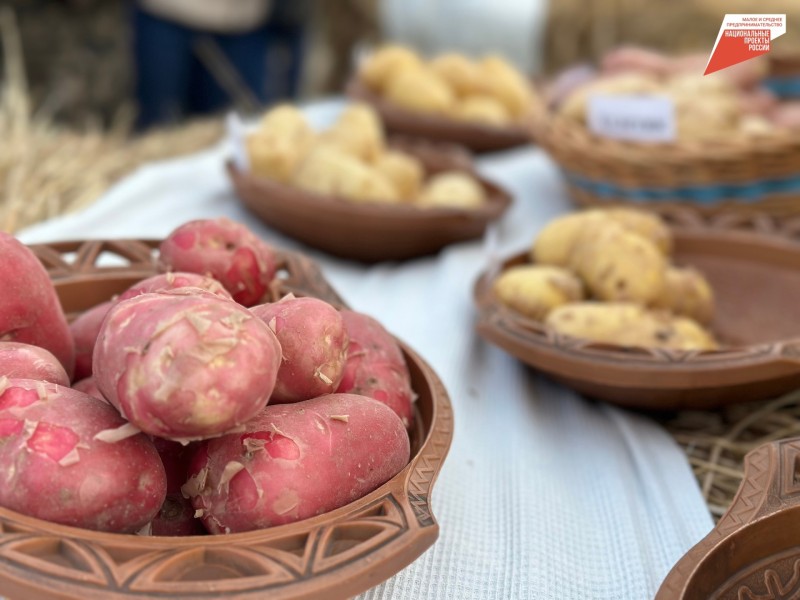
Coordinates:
<point>194,57</point>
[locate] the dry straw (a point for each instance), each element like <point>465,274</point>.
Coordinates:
<point>716,442</point>
<point>47,170</point>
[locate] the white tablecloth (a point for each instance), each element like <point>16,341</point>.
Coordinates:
<point>544,495</point>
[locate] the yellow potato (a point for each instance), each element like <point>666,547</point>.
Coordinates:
<point>420,90</point>
<point>327,170</point>
<point>575,106</point>
<point>282,139</point>
<point>628,324</point>
<point>358,131</point>
<point>536,290</point>
<point>691,336</point>
<point>451,189</point>
<point>507,84</point>
<point>619,265</point>
<point>482,108</point>
<point>403,170</point>
<point>554,244</point>
<point>660,329</point>
<point>608,322</point>
<point>286,122</point>
<point>692,84</point>
<point>274,158</point>
<point>701,118</point>
<point>756,126</point>
<point>644,223</point>
<point>686,292</point>
<point>459,72</point>
<point>385,63</point>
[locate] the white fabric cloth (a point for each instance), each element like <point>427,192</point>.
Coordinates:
<point>544,495</point>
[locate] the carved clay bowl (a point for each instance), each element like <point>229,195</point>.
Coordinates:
<point>373,232</point>
<point>753,553</point>
<point>753,265</point>
<point>334,555</point>
<point>477,137</point>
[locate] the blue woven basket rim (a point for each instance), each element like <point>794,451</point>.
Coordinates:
<point>747,192</point>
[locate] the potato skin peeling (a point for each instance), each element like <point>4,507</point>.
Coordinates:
<point>185,364</point>
<point>239,484</point>
<point>225,250</point>
<point>376,367</point>
<point>54,468</point>
<point>314,344</point>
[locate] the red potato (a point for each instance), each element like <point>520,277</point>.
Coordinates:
<point>30,312</point>
<point>295,461</point>
<point>226,251</point>
<point>375,366</point>
<point>385,382</point>
<point>23,361</point>
<point>176,518</point>
<point>367,334</point>
<point>85,330</point>
<point>314,343</point>
<point>567,82</point>
<point>185,364</point>
<point>758,101</point>
<point>173,281</point>
<point>632,58</point>
<point>176,458</point>
<point>89,387</point>
<point>69,458</point>
<point>86,327</point>
<point>786,115</point>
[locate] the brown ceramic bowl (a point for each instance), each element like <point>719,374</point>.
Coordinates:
<point>752,265</point>
<point>335,555</point>
<point>753,553</point>
<point>475,136</point>
<point>372,232</point>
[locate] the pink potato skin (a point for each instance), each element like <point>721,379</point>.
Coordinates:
<point>295,461</point>
<point>23,361</point>
<point>89,387</point>
<point>786,115</point>
<point>54,469</point>
<point>314,343</point>
<point>86,327</point>
<point>226,251</point>
<point>30,311</point>
<point>375,366</point>
<point>85,330</point>
<point>172,281</point>
<point>185,364</point>
<point>176,518</point>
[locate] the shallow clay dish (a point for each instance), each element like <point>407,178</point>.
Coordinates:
<point>475,136</point>
<point>335,555</point>
<point>754,551</point>
<point>753,265</point>
<point>372,232</point>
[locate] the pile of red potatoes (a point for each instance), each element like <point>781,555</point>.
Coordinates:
<point>186,404</point>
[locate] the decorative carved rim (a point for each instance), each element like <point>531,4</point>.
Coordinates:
<point>335,555</point>
<point>730,562</point>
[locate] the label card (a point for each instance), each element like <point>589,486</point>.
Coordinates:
<point>632,118</point>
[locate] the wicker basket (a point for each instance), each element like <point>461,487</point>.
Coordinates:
<point>740,175</point>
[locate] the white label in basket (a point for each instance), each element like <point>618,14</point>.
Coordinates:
<point>632,118</point>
